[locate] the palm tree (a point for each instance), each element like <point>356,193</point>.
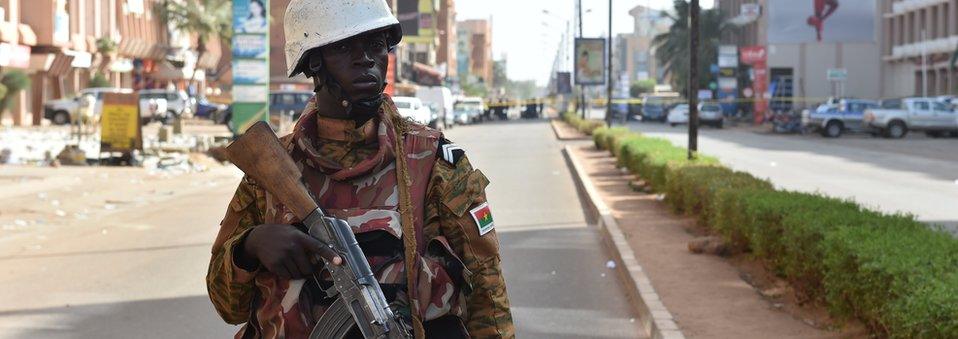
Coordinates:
<point>203,18</point>
<point>672,47</point>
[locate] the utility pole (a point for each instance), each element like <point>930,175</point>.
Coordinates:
<point>693,86</point>
<point>608,89</point>
<point>924,64</point>
<point>582,103</point>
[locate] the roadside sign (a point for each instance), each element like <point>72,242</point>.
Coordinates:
<point>705,94</point>
<point>120,129</point>
<point>250,48</point>
<point>837,74</point>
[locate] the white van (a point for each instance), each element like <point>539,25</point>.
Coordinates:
<point>441,101</point>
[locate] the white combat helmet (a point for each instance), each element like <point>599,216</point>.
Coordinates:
<point>311,24</point>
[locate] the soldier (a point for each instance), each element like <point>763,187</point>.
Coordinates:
<point>417,206</point>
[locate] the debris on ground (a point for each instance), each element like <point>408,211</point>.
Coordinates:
<point>610,264</point>
<point>713,245</point>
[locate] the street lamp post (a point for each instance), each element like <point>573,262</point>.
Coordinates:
<point>608,90</point>
<point>693,85</point>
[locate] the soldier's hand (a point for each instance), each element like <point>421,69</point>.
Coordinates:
<point>287,252</point>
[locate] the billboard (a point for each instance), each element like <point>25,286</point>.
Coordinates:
<point>806,21</point>
<point>590,61</point>
<point>418,20</point>
<point>250,48</point>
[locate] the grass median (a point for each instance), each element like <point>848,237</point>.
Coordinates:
<point>895,274</point>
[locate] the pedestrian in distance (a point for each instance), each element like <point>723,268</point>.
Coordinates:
<point>415,203</point>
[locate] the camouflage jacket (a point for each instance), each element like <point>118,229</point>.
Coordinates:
<point>353,173</point>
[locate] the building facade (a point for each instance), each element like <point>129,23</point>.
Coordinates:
<point>72,41</point>
<point>475,50</point>
<point>918,41</point>
<point>16,40</point>
<point>446,50</point>
<point>800,68</point>
<point>641,63</point>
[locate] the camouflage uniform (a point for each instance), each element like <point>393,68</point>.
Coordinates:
<point>352,172</point>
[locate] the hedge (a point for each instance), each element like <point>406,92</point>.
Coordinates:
<point>586,126</point>
<point>895,274</point>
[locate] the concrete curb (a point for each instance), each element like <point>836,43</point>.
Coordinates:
<point>555,129</point>
<point>655,318</point>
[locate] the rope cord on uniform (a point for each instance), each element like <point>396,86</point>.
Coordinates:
<point>408,226</point>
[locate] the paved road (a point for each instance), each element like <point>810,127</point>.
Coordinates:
<point>126,258</point>
<point>121,253</point>
<point>554,264</point>
<point>916,175</point>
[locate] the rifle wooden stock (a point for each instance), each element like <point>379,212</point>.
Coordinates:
<point>261,156</point>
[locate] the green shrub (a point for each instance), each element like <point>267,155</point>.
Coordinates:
<point>12,82</point>
<point>586,126</point>
<point>892,272</point>
<point>896,275</point>
<point>99,80</point>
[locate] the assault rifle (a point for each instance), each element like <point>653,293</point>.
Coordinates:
<point>360,302</point>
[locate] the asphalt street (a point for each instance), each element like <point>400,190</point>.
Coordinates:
<point>554,264</point>
<point>915,175</point>
<point>123,253</point>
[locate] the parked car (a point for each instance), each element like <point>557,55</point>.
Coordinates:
<point>65,111</point>
<point>178,103</point>
<point>441,101</point>
<point>929,115</point>
<point>468,110</point>
<point>710,113</point>
<point>833,120</point>
<point>413,108</point>
<point>678,115</point>
<point>289,102</point>
<point>655,107</point>
<point>207,109</point>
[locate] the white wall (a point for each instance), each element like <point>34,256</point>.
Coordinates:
<point>810,62</point>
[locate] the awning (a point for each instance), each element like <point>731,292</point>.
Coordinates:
<point>27,36</point>
<point>16,56</point>
<point>61,64</point>
<point>80,59</point>
<point>8,32</point>
<point>427,75</point>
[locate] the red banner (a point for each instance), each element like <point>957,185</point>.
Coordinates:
<point>757,57</point>
<point>752,55</point>
<point>391,75</point>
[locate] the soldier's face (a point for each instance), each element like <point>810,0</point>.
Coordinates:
<point>359,64</point>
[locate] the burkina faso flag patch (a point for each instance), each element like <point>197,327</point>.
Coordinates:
<point>482,214</point>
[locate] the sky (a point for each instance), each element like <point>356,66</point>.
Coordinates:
<point>529,39</point>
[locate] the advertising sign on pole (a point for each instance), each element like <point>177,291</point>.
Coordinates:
<point>120,129</point>
<point>417,18</point>
<point>250,47</point>
<point>590,61</point>
<point>728,56</point>
<point>836,74</point>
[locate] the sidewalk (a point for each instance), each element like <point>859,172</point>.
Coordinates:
<point>708,296</point>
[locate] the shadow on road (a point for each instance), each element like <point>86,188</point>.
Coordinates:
<point>183,317</point>
<point>566,282</point>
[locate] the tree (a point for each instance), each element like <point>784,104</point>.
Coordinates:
<point>205,19</point>
<point>672,47</point>
<point>11,83</point>
<point>642,86</point>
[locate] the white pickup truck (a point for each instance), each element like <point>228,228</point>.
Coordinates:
<point>897,117</point>
<point>65,111</point>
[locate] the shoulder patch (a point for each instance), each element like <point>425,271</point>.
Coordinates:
<point>450,152</point>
